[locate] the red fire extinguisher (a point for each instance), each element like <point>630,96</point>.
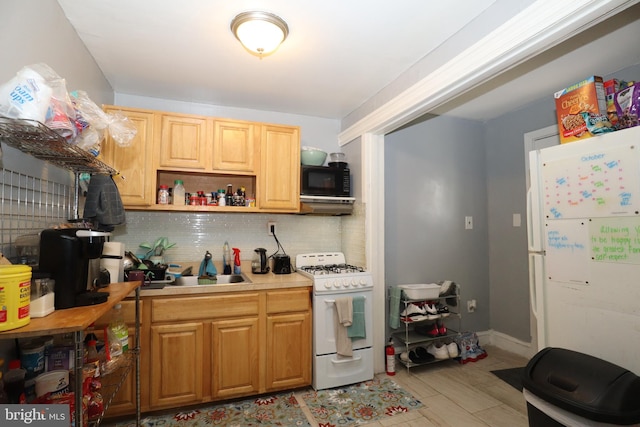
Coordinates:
<point>391,358</point>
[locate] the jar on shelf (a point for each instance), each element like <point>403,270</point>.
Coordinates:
<point>163,195</point>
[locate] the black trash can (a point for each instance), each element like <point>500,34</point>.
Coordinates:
<point>567,388</point>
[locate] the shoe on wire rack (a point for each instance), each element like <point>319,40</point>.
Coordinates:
<point>439,351</point>
<point>413,310</point>
<point>452,349</point>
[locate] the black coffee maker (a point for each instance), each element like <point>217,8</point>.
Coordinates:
<point>72,257</point>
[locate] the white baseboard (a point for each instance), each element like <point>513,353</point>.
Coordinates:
<point>507,343</point>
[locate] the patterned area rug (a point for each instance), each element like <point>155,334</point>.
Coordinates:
<point>360,403</point>
<point>269,411</point>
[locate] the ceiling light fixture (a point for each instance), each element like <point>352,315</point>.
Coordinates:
<point>259,32</point>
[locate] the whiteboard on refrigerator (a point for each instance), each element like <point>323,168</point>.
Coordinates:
<point>604,182</point>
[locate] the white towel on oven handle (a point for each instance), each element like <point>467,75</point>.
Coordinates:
<point>343,317</point>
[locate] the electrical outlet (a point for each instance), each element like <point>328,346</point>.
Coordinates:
<point>271,228</point>
<point>471,306</point>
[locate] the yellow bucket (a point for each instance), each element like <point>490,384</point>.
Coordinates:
<point>15,296</point>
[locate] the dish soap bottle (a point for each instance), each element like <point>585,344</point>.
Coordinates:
<point>226,259</point>
<point>236,261</point>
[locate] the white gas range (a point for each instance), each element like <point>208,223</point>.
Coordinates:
<point>333,278</point>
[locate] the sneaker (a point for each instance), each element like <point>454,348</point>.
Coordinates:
<point>432,311</point>
<point>452,349</point>
<point>439,351</point>
<point>430,330</point>
<point>443,310</point>
<point>442,330</point>
<point>404,356</point>
<point>424,355</point>
<point>412,310</point>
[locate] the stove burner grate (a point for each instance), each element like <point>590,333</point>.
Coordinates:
<point>332,269</point>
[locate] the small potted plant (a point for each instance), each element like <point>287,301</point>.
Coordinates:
<point>155,252</point>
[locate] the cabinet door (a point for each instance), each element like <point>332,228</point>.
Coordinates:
<point>184,142</point>
<point>234,146</point>
<point>177,379</point>
<point>288,351</point>
<point>279,175</point>
<point>235,347</point>
<point>135,162</point>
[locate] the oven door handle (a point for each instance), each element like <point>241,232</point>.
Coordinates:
<point>331,301</point>
<point>353,359</point>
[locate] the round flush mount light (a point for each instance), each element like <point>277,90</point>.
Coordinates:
<point>259,32</point>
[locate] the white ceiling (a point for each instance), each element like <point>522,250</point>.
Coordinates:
<point>338,54</point>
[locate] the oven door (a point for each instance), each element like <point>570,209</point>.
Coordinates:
<point>324,336</point>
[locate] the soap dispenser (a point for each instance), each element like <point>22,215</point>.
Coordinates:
<point>226,258</point>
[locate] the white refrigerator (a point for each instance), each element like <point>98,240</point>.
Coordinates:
<point>583,225</point>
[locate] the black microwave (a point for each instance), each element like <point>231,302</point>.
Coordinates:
<point>325,181</point>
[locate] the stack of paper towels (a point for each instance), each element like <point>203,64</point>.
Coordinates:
<point>113,260</point>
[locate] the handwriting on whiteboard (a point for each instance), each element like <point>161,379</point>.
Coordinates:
<point>598,184</point>
<point>615,239</point>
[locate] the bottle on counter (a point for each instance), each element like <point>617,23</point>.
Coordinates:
<point>163,195</point>
<point>236,261</point>
<point>226,258</point>
<point>119,327</point>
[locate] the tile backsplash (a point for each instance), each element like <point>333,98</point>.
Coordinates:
<point>196,233</point>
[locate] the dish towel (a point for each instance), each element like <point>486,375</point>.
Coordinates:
<point>342,318</point>
<point>104,203</point>
<point>357,328</point>
<point>394,307</point>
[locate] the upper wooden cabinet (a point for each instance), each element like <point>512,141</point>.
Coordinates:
<point>207,154</point>
<point>279,178</point>
<point>185,142</point>
<point>234,146</point>
<point>136,184</point>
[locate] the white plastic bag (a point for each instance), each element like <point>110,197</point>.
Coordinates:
<point>121,129</point>
<point>26,96</point>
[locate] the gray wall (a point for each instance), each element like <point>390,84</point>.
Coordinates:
<point>37,31</point>
<point>506,195</point>
<point>434,177</point>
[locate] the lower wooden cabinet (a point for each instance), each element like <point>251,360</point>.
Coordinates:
<point>176,371</point>
<point>215,347</point>
<point>235,357</point>
<point>288,351</point>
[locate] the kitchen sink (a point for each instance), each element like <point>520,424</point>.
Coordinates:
<point>221,279</point>
<point>232,278</point>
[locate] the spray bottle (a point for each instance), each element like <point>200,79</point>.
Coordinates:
<point>226,259</point>
<point>236,261</point>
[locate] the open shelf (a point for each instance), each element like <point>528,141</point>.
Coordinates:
<point>34,138</point>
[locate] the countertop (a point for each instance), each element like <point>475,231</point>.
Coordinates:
<point>258,282</point>
<point>73,319</point>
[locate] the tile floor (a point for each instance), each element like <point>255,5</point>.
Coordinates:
<point>457,395</point>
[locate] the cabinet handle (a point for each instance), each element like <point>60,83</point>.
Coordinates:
<point>353,359</point>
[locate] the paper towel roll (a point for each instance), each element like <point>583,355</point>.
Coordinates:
<point>114,260</point>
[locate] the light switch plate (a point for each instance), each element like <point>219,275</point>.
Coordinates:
<point>468,222</point>
<point>517,220</point>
